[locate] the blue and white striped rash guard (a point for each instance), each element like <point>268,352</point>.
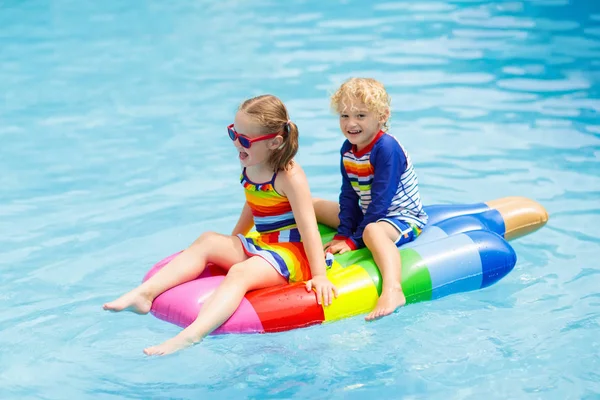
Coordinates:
<point>377,182</point>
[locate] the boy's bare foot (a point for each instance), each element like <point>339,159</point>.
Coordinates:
<point>134,301</point>
<point>172,345</point>
<point>388,302</point>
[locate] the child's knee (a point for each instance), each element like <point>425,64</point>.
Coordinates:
<point>206,238</point>
<point>237,272</point>
<point>371,232</point>
<point>327,212</point>
<point>380,231</point>
<point>238,275</point>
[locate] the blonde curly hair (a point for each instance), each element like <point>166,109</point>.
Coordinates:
<point>367,90</point>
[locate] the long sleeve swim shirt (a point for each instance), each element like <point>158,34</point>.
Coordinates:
<point>377,182</point>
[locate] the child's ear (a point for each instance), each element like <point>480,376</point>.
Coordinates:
<point>276,143</point>
<point>384,116</point>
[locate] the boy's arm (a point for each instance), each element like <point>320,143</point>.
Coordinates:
<point>389,163</point>
<point>349,207</point>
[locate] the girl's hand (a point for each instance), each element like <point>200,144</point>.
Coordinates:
<point>337,246</point>
<point>323,287</point>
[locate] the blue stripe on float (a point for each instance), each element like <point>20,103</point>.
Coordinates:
<point>429,234</point>
<point>453,263</point>
<point>498,257</point>
<point>490,220</point>
<point>493,220</point>
<point>461,224</point>
<point>442,212</point>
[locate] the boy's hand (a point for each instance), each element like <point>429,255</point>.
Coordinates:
<point>337,247</point>
<point>323,287</point>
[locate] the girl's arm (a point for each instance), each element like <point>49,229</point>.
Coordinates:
<point>245,223</point>
<point>294,186</point>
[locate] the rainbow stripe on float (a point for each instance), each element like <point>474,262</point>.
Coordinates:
<point>463,248</point>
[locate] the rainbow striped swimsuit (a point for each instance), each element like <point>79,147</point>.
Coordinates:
<point>278,241</point>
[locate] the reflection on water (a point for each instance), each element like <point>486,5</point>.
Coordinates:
<point>114,154</point>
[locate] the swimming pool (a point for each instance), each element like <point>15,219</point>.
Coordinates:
<point>114,154</point>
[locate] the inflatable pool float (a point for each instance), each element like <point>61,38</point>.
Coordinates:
<point>463,248</point>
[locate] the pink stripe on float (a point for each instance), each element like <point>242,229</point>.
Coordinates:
<point>189,298</point>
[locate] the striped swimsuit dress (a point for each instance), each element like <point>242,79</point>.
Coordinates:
<point>278,241</point>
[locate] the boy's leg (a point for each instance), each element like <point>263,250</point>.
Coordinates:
<point>380,237</point>
<point>327,212</point>
<point>208,248</point>
<point>254,273</point>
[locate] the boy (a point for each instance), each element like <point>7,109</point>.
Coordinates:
<point>379,205</point>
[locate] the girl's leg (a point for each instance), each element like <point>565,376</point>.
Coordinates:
<point>208,248</point>
<point>379,237</point>
<point>327,212</point>
<point>254,273</point>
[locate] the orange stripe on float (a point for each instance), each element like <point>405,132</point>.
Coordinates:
<point>521,215</point>
<point>285,307</point>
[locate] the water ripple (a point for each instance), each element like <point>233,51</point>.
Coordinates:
<point>114,154</point>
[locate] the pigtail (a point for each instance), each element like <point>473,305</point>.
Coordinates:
<point>282,157</point>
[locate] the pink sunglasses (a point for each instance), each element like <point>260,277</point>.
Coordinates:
<point>245,141</point>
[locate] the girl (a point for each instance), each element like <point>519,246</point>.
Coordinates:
<point>278,204</point>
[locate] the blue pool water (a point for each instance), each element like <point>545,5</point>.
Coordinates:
<point>114,154</point>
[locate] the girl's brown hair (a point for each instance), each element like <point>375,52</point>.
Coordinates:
<point>270,113</point>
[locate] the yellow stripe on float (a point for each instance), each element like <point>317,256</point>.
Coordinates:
<point>357,293</point>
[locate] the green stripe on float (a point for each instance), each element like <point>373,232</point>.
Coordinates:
<point>416,281</point>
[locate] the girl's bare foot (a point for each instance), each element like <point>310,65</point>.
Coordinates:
<point>388,302</point>
<point>172,345</point>
<point>134,301</point>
